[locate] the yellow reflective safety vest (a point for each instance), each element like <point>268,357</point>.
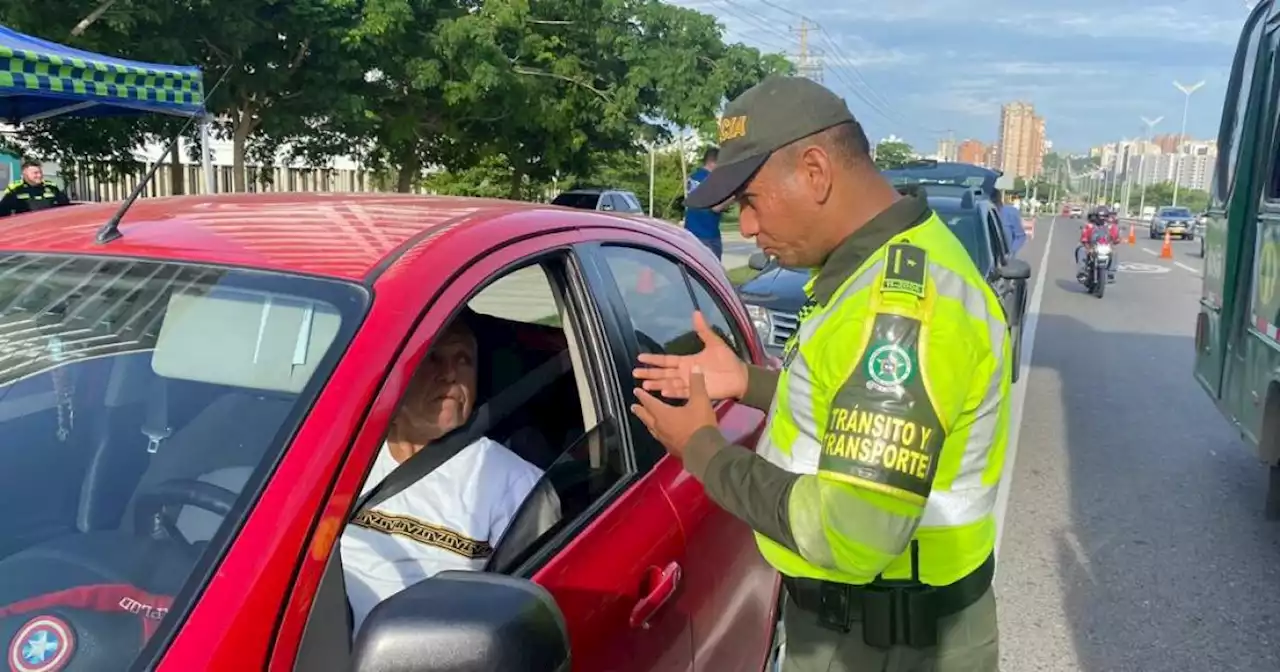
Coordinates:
<point>894,398</point>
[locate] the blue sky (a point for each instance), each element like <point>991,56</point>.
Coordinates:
<point>1092,68</point>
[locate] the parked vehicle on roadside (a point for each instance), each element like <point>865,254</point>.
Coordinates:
<point>594,198</point>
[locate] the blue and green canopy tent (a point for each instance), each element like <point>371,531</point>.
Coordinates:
<point>41,79</point>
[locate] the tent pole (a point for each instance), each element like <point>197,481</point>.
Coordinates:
<point>207,155</point>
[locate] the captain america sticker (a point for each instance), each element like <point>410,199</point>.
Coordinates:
<point>44,644</point>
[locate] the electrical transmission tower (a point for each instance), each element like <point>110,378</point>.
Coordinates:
<point>806,65</point>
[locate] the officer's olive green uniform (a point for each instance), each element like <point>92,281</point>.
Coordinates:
<point>886,435</point>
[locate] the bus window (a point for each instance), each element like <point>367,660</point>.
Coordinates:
<point>1233,113</point>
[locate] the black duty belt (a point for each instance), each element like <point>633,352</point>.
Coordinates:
<point>892,612</point>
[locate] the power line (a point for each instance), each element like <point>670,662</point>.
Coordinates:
<point>872,98</point>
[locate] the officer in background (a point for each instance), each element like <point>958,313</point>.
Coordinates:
<point>873,486</point>
<point>31,193</point>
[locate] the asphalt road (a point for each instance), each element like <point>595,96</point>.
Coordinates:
<point>1133,537</point>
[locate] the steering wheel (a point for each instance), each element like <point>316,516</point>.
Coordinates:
<point>155,512</point>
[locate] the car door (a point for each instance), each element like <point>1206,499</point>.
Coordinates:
<point>731,592</point>
<point>1006,290</point>
<point>612,563</point>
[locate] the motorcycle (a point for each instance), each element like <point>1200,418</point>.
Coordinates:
<point>1097,260</point>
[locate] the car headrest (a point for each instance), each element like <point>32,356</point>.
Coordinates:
<point>244,338</point>
<point>509,349</point>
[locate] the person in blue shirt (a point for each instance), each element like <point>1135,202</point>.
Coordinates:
<point>1011,217</point>
<point>704,224</point>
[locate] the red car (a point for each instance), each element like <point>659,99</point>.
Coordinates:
<point>190,410</point>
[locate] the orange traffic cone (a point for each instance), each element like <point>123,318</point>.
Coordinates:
<point>644,284</point>
<point>1166,250</point>
<point>1133,237</point>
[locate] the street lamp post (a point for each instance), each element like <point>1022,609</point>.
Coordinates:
<point>1182,135</point>
<point>1142,160</point>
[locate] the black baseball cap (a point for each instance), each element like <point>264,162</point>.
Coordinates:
<point>765,118</point>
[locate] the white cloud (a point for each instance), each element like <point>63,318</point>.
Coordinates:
<point>1151,22</point>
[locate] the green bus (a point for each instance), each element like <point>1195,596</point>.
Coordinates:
<point>1236,337</point>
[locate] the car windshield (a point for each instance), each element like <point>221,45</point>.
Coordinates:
<point>1175,212</point>
<point>577,199</point>
<point>633,203</point>
<point>139,400</point>
<point>969,228</point>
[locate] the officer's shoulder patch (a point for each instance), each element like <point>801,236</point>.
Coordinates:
<point>906,267</point>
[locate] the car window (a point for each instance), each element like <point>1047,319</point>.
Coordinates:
<point>533,473</point>
<point>138,401</point>
<point>969,228</point>
<point>716,315</point>
<point>1175,212</point>
<point>577,199</point>
<point>630,202</point>
<point>996,234</point>
<point>657,298</point>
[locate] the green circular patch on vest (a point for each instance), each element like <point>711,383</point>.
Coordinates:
<point>889,365</point>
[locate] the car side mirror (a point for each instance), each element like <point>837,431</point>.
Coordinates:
<point>463,621</point>
<point>758,261</point>
<point>1015,269</point>
<point>606,207</point>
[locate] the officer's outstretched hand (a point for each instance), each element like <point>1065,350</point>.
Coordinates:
<point>673,426</point>
<point>668,375</point>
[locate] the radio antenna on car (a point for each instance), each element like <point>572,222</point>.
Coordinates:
<point>111,230</point>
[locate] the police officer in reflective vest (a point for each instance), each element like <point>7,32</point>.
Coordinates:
<point>31,193</point>
<point>872,488</point>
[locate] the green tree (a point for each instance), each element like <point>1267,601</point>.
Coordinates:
<point>1161,194</point>
<point>893,154</point>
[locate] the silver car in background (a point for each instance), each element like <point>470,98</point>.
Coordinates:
<point>1176,220</point>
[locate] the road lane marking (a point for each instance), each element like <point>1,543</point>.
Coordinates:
<point>1019,401</point>
<point>1135,267</point>
<point>1147,250</point>
<point>1179,264</point>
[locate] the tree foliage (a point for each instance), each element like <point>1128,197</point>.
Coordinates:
<point>893,154</point>
<point>1161,194</point>
<point>527,91</point>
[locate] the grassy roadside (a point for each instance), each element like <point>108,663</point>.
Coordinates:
<point>741,275</point>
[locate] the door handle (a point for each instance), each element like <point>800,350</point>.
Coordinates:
<point>660,585</point>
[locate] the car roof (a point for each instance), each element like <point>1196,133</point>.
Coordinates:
<point>591,190</point>
<point>346,236</point>
<point>947,171</point>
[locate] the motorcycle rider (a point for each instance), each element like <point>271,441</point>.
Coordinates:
<point>1100,223</point>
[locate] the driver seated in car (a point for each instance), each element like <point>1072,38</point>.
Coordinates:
<point>454,516</point>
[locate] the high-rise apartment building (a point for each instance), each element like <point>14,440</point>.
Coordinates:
<point>972,151</point>
<point>1021,140</point>
<point>1168,142</point>
<point>946,149</point>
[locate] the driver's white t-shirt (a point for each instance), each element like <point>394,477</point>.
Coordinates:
<point>448,520</point>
